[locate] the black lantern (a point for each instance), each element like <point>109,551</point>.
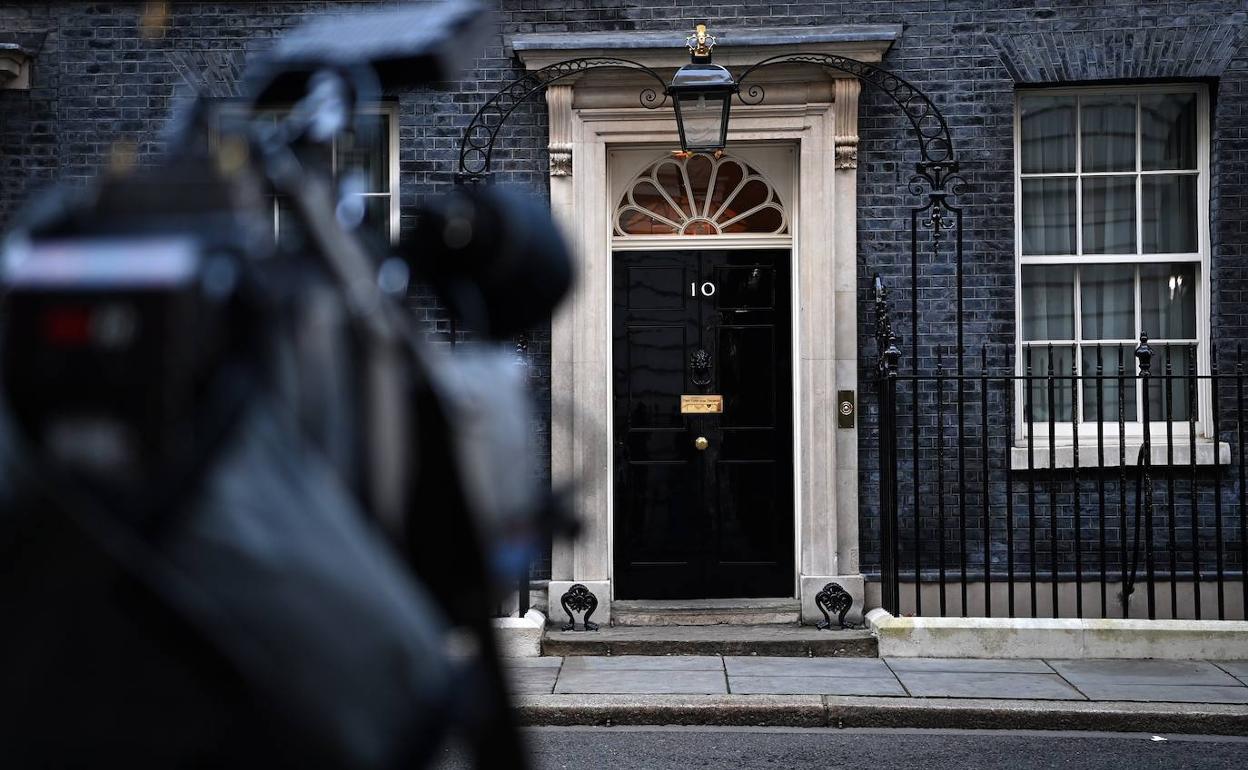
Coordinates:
<point>702,95</point>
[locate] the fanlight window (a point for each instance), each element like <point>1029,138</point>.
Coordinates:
<point>700,195</point>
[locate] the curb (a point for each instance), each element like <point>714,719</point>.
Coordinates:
<point>837,711</point>
<point>721,710</point>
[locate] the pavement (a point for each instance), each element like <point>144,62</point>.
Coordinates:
<point>1202,697</point>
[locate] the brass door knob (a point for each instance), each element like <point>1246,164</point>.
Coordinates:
<point>700,443</point>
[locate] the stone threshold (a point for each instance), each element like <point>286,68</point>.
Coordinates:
<point>1070,638</point>
<point>767,640</point>
<point>705,612</point>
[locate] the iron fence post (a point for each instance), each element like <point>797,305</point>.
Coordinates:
<point>1145,355</point>
<point>887,367</point>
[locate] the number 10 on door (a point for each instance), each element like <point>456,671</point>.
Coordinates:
<point>707,289</point>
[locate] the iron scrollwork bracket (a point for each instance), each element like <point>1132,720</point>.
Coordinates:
<point>885,338</point>
<point>930,128</point>
<point>937,169</point>
<point>578,598</point>
<point>476,145</point>
<point>941,182</point>
<point>833,598</point>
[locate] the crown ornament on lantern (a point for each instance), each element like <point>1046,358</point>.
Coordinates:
<point>700,42</point>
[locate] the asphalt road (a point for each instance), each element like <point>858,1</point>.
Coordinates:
<point>618,748</point>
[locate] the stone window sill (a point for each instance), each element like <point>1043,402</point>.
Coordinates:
<point>1064,454</point>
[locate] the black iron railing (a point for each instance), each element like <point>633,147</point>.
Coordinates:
<point>523,601</point>
<point>1105,484</point>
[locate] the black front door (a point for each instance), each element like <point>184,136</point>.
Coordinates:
<point>694,518</point>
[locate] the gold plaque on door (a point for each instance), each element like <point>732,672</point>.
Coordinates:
<point>701,404</point>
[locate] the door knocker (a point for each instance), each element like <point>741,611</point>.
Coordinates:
<point>700,367</point>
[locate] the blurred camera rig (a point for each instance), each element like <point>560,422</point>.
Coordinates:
<point>236,478</point>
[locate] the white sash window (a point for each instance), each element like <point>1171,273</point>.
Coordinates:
<point>1112,241</point>
<point>373,163</point>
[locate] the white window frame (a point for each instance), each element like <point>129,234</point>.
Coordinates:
<point>771,162</point>
<point>391,111</point>
<point>1063,431</point>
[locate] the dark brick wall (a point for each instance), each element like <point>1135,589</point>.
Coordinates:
<point>98,82</point>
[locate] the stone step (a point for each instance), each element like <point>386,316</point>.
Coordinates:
<point>706,612</point>
<point>770,640</point>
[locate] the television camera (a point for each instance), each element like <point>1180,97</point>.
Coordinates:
<point>248,514</point>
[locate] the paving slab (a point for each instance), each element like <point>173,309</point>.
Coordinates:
<point>532,681</point>
<point>816,685</point>
<point>944,684</point>
<point>970,665</point>
<point>550,662</point>
<point>1238,668</point>
<point>1166,693</point>
<point>843,667</point>
<point>644,663</point>
<point>650,682</point>
<point>1119,672</point>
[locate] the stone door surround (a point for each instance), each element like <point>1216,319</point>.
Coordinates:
<point>804,106</point>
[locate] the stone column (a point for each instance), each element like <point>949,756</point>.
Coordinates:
<point>846,291</point>
<point>830,548</point>
<point>579,386</point>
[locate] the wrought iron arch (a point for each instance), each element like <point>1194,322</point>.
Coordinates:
<point>930,128</point>
<point>476,147</point>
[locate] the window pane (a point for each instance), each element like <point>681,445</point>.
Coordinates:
<point>1168,206</point>
<point>1107,302</point>
<point>377,215</point>
<point>1170,398</point>
<point>1050,395</point>
<point>702,117</point>
<point>1103,400</point>
<point>672,179</point>
<point>648,197</point>
<point>1048,216</point>
<point>1107,127</point>
<point>368,155</point>
<point>1168,301</point>
<point>1167,131</point>
<point>1048,134</point>
<point>727,177</point>
<point>754,193</point>
<point>765,220</point>
<point>1048,302</point>
<point>1109,215</point>
<point>635,222</point>
<point>699,169</point>
<point>289,231</point>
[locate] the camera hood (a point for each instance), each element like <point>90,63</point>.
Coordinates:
<point>407,46</point>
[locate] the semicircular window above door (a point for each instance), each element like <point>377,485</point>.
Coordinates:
<point>700,195</point>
